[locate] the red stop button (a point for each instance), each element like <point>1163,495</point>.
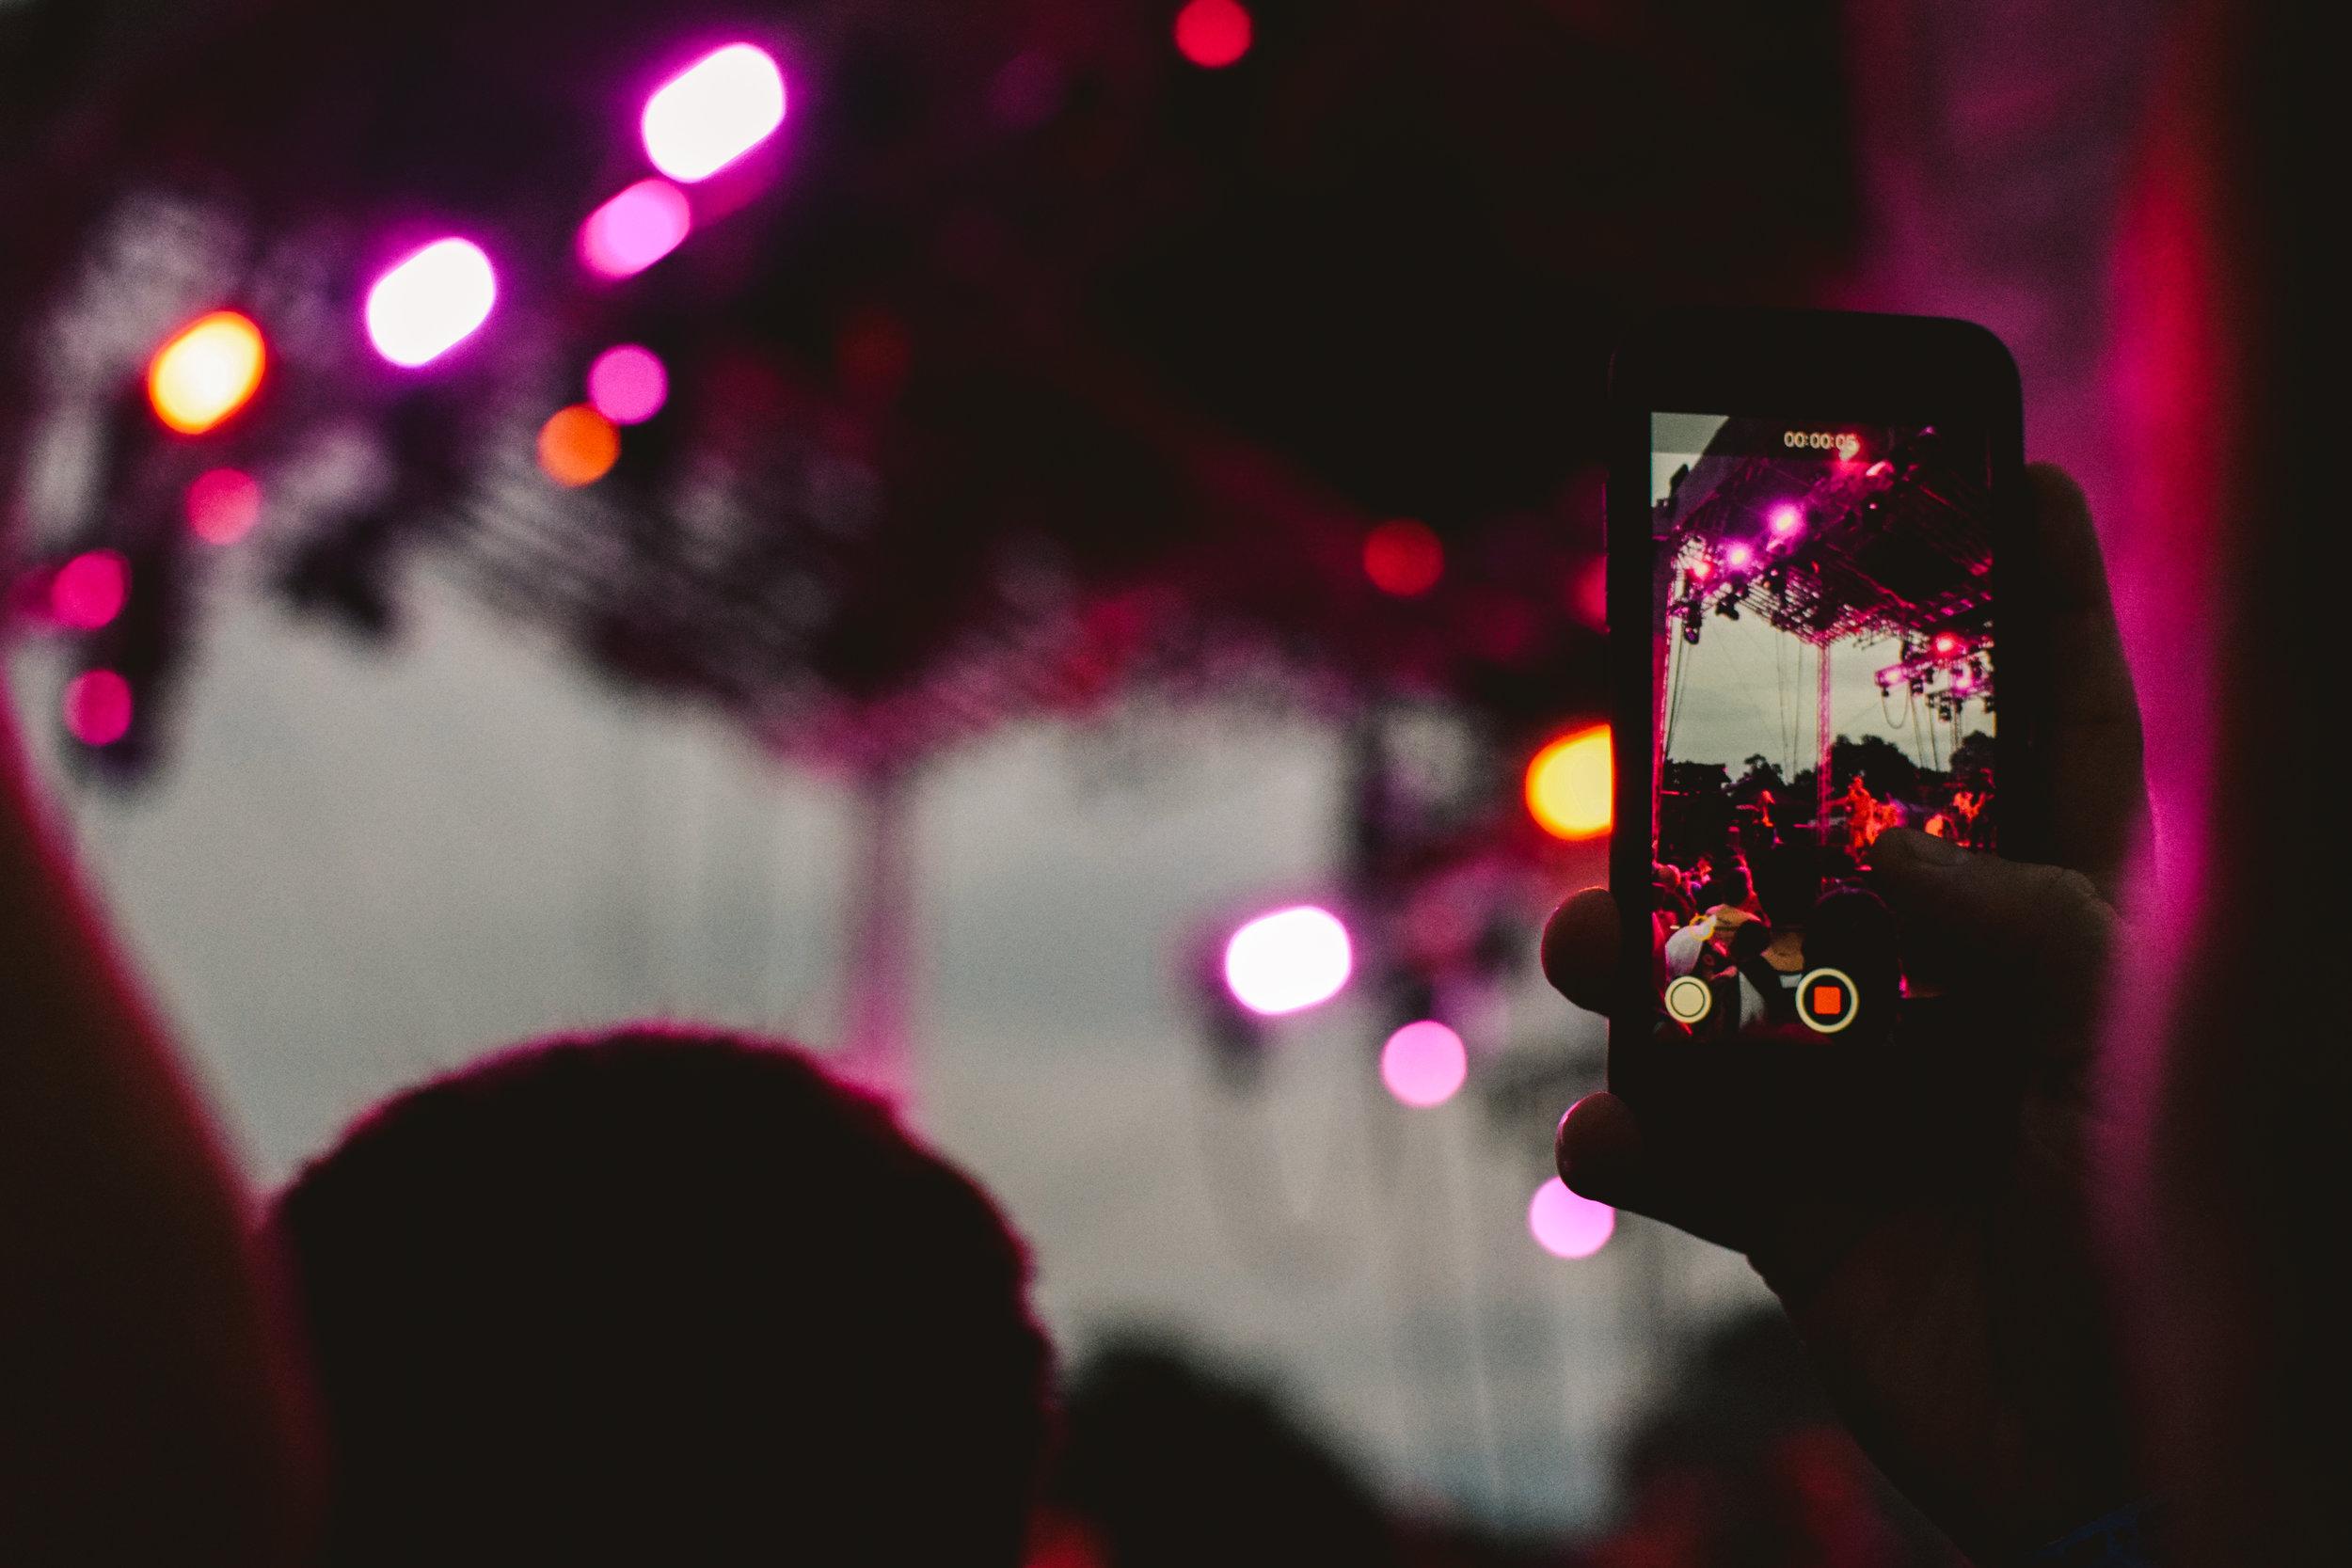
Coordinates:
<point>1828,1000</point>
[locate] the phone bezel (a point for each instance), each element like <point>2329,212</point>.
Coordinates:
<point>1806,366</point>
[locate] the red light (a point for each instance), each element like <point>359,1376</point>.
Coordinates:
<point>97,707</point>
<point>1403,558</point>
<point>90,589</point>
<point>1588,597</point>
<point>1702,569</point>
<point>1212,34</point>
<point>1945,644</point>
<point>223,506</point>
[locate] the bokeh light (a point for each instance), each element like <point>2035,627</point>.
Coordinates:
<point>1571,784</point>
<point>1588,594</point>
<point>578,446</point>
<point>209,369</point>
<point>1289,960</point>
<point>90,589</point>
<point>223,506</point>
<point>635,228</point>
<point>1947,645</point>
<point>1423,1064</point>
<point>1788,519</point>
<point>713,112</point>
<point>1403,558</point>
<point>1739,557</point>
<point>97,707</point>
<point>1566,1224</point>
<point>1212,34</point>
<point>431,302</point>
<point>628,384</point>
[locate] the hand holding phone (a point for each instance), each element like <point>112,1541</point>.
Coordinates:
<point>1915,1192</point>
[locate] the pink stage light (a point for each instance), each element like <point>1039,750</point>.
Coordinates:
<point>1786,520</point>
<point>635,228</point>
<point>713,112</point>
<point>223,506</point>
<point>1212,34</point>
<point>97,707</point>
<point>1702,569</point>
<point>1738,556</point>
<point>1946,644</point>
<point>1964,681</point>
<point>1423,1064</point>
<point>1289,960</point>
<point>90,589</point>
<point>628,384</point>
<point>431,302</point>
<point>1566,1224</point>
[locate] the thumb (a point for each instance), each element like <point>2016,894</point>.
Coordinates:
<point>1602,1154</point>
<point>1972,918</point>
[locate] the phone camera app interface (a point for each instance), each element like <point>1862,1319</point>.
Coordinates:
<point>1822,665</point>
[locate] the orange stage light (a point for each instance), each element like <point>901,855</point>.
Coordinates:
<point>578,446</point>
<point>1571,784</point>
<point>208,370</point>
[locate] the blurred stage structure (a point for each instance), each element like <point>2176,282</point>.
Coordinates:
<point>1040,354</point>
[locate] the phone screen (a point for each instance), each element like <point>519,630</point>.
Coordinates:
<point>1823,669</point>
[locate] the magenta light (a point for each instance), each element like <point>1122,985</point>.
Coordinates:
<point>1964,681</point>
<point>713,112</point>
<point>1423,1064</point>
<point>90,589</point>
<point>1702,569</point>
<point>1289,960</point>
<point>1786,520</point>
<point>1738,556</point>
<point>628,384</point>
<point>431,302</point>
<point>97,707</point>
<point>635,228</point>
<point>223,506</point>
<point>1568,1224</point>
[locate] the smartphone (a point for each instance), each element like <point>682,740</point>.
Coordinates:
<point>1822,626</point>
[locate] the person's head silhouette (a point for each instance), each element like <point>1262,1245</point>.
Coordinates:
<point>664,1297</point>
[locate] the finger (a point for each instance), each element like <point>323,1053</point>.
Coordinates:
<point>1580,948</point>
<point>2099,804</point>
<point>2043,930</point>
<point>1601,1153</point>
